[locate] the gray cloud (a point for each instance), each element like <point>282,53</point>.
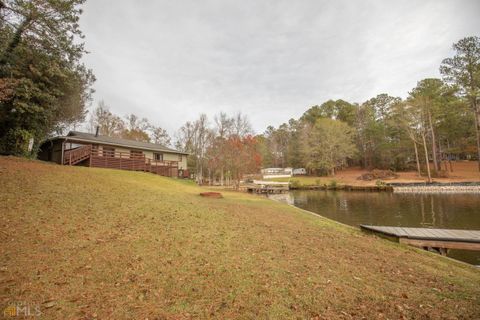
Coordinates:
<point>172,60</point>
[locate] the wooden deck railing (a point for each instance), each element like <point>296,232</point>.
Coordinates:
<point>163,168</point>
<point>162,163</point>
<point>132,161</point>
<point>120,160</point>
<point>74,156</point>
<point>117,154</point>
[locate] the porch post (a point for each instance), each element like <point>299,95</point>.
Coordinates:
<point>91,154</point>
<point>63,150</point>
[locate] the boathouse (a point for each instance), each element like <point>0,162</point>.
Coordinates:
<point>93,150</point>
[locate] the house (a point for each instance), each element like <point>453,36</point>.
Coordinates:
<point>93,150</point>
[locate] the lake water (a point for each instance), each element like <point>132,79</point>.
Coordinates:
<point>450,211</point>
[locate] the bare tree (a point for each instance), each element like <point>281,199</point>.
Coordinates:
<point>409,121</point>
<point>224,128</point>
<point>223,125</point>
<point>201,140</point>
<point>136,128</point>
<point>209,145</point>
<point>133,122</point>
<point>108,123</point>
<point>193,137</point>
<point>241,125</point>
<point>159,135</point>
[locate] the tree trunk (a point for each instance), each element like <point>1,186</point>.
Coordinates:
<point>426,157</point>
<point>364,156</point>
<point>417,159</point>
<point>221,177</point>
<point>199,172</point>
<point>434,142</point>
<point>237,181</point>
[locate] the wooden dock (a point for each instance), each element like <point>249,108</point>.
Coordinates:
<point>439,240</point>
<point>261,186</point>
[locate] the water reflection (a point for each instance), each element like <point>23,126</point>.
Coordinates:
<point>282,197</point>
<point>451,211</point>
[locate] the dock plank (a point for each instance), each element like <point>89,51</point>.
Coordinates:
<point>427,233</point>
<point>449,233</point>
<point>433,233</point>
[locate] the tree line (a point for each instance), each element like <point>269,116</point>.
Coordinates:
<point>437,122</point>
<point>45,88</point>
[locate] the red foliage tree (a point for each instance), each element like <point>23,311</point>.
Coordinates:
<point>242,156</point>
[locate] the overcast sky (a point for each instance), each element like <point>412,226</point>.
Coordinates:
<point>169,61</point>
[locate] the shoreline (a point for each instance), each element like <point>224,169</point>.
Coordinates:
<point>344,188</point>
<point>411,187</point>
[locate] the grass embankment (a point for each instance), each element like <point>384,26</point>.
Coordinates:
<point>326,183</point>
<point>108,244</point>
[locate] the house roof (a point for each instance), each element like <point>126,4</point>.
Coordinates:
<point>105,140</point>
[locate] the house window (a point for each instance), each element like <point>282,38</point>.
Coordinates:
<point>136,154</point>
<point>108,152</point>
<point>158,156</point>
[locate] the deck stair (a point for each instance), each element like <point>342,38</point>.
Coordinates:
<point>77,155</point>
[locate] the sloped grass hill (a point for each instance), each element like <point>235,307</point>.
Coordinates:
<point>96,243</point>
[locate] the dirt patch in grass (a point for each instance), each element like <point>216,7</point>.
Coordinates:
<point>378,175</point>
<point>211,194</point>
<point>92,243</point>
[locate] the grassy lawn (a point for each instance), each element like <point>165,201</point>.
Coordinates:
<point>93,243</point>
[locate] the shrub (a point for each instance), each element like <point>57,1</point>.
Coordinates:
<point>295,184</point>
<point>16,142</point>
<point>380,183</point>
<point>332,184</point>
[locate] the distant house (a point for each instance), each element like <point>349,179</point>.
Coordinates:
<point>299,172</point>
<point>93,150</point>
